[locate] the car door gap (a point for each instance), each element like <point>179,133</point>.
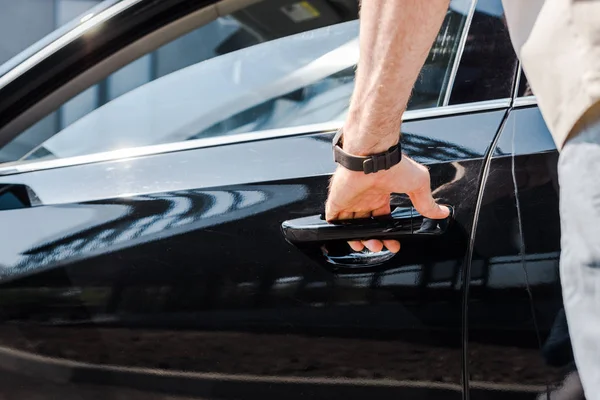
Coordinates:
<point>469,255</point>
<point>522,246</point>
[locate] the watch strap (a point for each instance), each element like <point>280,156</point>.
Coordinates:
<point>367,164</point>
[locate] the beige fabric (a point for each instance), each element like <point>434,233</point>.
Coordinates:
<point>558,42</point>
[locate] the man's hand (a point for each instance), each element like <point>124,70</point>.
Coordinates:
<point>356,195</point>
<point>395,39</point>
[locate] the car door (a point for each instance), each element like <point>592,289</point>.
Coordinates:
<point>146,249</point>
<point>518,336</point>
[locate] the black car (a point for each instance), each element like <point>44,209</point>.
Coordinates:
<point>161,162</point>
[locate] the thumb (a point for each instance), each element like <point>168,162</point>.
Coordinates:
<point>424,203</point>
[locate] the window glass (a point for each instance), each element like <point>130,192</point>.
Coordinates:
<point>25,22</point>
<point>265,67</point>
<point>524,87</point>
<point>488,63</point>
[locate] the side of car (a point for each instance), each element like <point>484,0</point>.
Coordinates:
<point>167,253</point>
<point>517,326</point>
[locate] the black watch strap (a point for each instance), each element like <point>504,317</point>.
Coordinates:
<point>369,164</point>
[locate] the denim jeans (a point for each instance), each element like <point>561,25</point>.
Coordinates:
<point>579,177</point>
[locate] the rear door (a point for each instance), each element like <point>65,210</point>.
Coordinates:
<point>143,219</point>
<point>519,342</point>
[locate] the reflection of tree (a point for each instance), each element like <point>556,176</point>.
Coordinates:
<point>146,213</point>
<point>149,219</point>
<point>424,148</point>
<point>429,149</point>
<point>153,217</point>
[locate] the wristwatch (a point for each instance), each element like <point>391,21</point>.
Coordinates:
<point>369,164</point>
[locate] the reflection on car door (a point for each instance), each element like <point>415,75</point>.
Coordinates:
<point>190,272</point>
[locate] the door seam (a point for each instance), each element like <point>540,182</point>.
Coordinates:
<point>470,251</point>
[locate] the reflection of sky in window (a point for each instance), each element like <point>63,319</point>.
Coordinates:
<point>185,102</point>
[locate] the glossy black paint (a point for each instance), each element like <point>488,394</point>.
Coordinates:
<point>198,276</point>
<point>400,224</point>
<point>176,262</point>
<point>517,329</point>
<point>442,239</point>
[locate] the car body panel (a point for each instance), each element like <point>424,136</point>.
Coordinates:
<point>192,241</point>
<point>163,267</point>
<point>517,329</point>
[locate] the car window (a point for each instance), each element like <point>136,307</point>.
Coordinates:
<point>34,24</point>
<point>488,63</point>
<point>258,69</point>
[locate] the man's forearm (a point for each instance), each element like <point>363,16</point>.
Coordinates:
<point>395,39</point>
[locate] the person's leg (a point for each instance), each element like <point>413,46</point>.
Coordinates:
<point>579,176</point>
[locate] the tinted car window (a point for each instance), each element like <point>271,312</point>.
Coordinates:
<point>488,63</point>
<point>241,73</point>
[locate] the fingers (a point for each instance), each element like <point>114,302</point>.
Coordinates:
<point>385,210</point>
<point>331,212</point>
<point>345,215</point>
<point>374,245</point>
<point>392,245</point>
<point>356,245</point>
<point>426,206</point>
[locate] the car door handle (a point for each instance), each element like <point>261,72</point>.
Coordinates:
<point>403,223</point>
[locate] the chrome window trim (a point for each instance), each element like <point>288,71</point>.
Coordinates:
<point>65,39</point>
<point>515,94</point>
<point>526,101</point>
<point>328,127</point>
<point>456,109</point>
<point>522,101</point>
<point>459,53</point>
